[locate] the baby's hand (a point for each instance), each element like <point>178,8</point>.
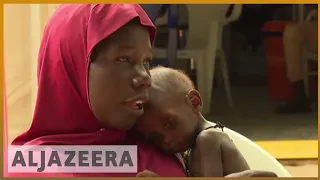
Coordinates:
<point>252,173</point>
<point>147,173</point>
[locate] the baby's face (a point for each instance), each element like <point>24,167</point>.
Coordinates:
<point>170,126</point>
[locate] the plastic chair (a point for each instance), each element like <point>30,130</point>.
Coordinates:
<point>256,157</point>
<point>204,45</point>
<point>153,10</point>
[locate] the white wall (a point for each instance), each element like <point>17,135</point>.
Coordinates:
<point>23,26</point>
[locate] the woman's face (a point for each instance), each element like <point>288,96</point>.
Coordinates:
<point>119,76</point>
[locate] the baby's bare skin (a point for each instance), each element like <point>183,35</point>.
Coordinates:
<point>173,121</point>
<point>215,155</point>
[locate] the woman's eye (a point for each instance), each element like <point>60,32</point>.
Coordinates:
<point>123,59</point>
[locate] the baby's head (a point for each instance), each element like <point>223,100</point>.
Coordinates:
<point>172,114</point>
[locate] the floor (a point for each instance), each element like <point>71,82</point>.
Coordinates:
<point>302,168</point>
<point>252,116</point>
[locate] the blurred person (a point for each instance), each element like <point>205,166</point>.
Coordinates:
<point>297,38</point>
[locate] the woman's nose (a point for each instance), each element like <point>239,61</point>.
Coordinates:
<point>142,80</point>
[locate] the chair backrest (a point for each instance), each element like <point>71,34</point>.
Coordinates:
<point>182,16</point>
<point>257,158</point>
<point>152,10</point>
<point>311,14</point>
<point>203,17</point>
<point>235,14</point>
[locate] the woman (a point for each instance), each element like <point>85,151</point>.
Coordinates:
<point>93,73</point>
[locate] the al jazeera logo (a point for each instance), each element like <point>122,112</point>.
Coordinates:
<point>72,159</point>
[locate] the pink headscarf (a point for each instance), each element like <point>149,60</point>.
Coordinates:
<point>62,114</point>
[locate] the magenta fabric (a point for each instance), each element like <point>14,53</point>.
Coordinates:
<point>5,127</point>
<point>62,114</point>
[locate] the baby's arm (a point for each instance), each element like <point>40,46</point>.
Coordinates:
<point>218,155</point>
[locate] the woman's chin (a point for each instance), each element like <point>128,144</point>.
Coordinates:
<point>123,123</point>
<point>180,148</point>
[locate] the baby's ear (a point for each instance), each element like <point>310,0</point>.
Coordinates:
<point>193,98</point>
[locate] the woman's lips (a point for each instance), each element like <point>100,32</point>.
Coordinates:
<point>135,104</point>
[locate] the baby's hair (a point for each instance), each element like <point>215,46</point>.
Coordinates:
<point>171,80</point>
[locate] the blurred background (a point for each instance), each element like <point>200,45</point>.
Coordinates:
<point>233,53</point>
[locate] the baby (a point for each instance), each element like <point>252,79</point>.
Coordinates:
<point>173,122</point>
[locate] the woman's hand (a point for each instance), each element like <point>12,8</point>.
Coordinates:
<point>147,173</point>
<point>252,173</point>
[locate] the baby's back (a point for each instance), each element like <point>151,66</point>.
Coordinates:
<point>214,154</point>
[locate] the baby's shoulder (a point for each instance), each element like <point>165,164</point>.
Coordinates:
<point>211,135</point>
